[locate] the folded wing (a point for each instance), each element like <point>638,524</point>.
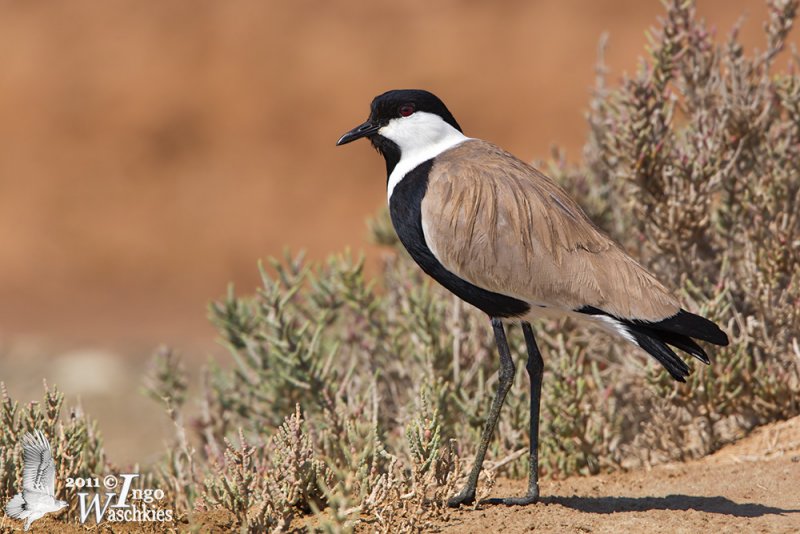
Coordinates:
<point>500,224</point>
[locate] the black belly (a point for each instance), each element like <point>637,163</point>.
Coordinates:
<point>405,209</point>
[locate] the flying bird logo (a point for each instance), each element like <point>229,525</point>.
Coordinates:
<point>38,482</point>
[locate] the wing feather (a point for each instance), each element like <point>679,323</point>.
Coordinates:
<point>39,473</point>
<point>502,225</point>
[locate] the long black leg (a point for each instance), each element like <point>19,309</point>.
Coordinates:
<point>535,369</point>
<point>467,495</point>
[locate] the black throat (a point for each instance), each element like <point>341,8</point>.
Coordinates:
<point>405,209</point>
<point>389,150</point>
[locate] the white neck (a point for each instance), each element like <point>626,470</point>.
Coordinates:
<point>420,137</point>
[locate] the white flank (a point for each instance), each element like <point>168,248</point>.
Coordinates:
<point>420,137</point>
<point>615,327</point>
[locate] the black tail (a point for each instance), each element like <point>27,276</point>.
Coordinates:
<point>688,324</point>
<point>678,331</point>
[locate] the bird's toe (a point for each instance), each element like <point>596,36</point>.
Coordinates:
<point>530,498</point>
<point>464,497</point>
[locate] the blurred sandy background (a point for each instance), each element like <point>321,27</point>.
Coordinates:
<point>151,152</point>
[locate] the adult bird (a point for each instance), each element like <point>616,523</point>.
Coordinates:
<point>507,239</point>
<point>38,482</point>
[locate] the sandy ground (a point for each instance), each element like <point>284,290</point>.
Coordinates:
<point>750,486</point>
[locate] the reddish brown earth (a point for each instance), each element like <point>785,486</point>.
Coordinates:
<point>750,486</point>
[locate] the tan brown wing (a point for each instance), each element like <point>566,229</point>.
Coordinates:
<point>500,224</point>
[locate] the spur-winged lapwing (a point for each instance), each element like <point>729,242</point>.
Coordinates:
<point>507,239</point>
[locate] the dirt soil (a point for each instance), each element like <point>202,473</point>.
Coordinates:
<point>750,486</point>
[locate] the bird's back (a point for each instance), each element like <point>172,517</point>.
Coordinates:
<point>502,225</point>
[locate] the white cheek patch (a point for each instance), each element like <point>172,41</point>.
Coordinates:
<point>420,137</point>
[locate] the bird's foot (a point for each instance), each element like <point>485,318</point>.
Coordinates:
<point>465,496</point>
<point>530,498</point>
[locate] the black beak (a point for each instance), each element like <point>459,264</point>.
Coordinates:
<point>364,130</point>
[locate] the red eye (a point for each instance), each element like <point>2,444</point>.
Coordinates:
<point>406,110</point>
